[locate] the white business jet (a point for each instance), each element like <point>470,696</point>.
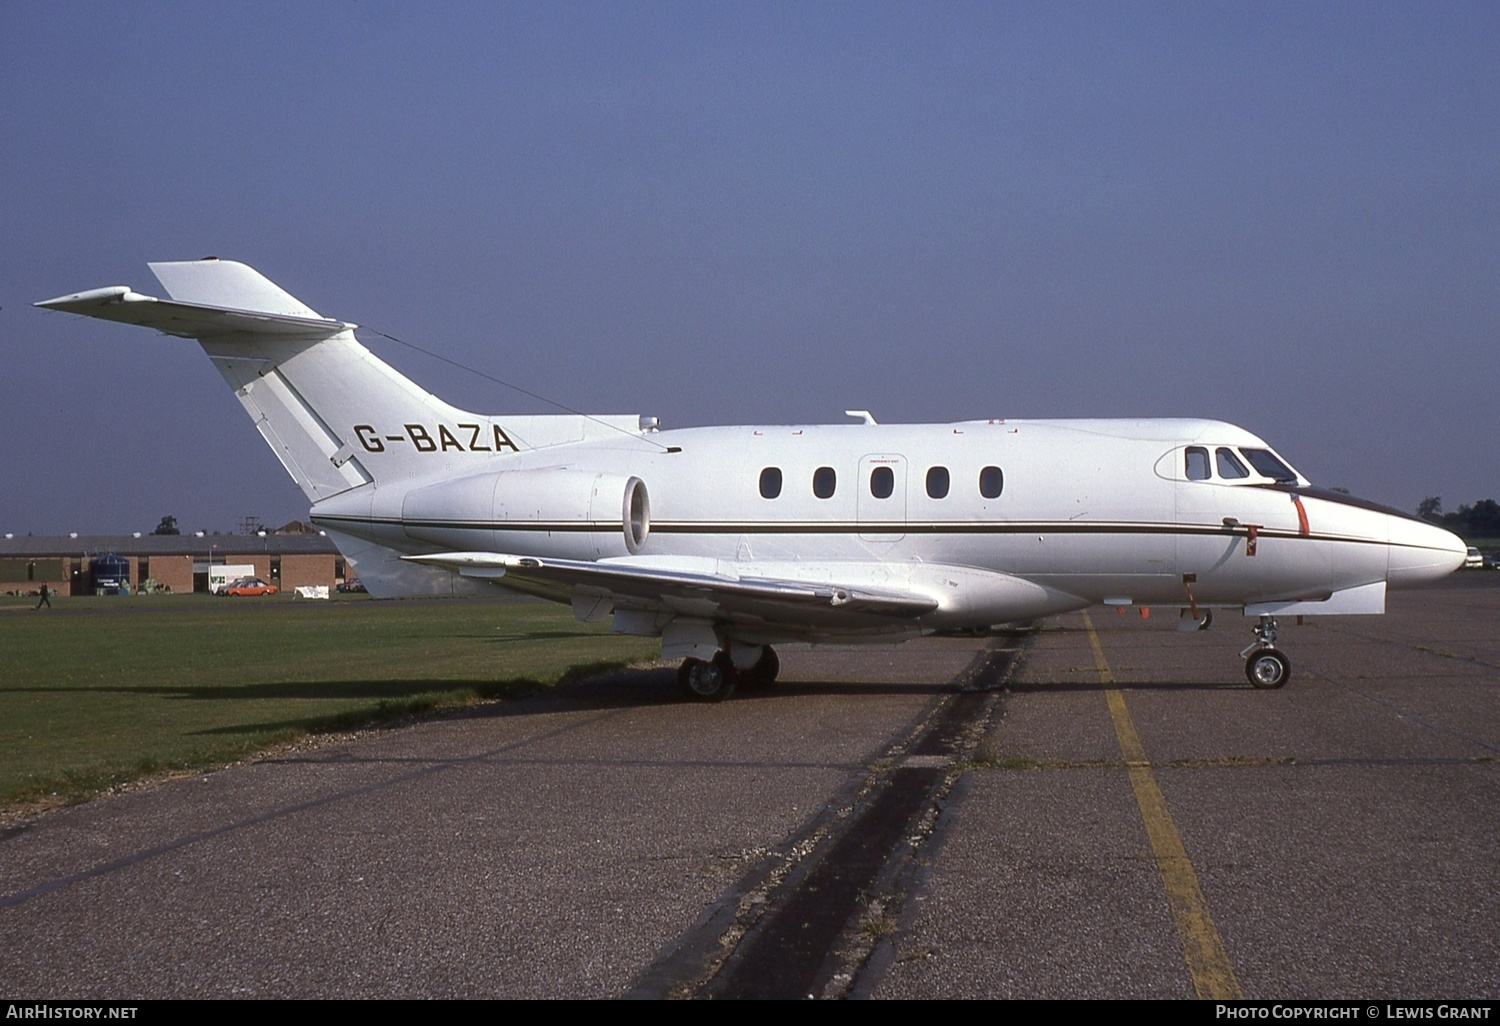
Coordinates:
<point>727,540</point>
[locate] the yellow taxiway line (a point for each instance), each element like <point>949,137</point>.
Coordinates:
<point>1207,962</point>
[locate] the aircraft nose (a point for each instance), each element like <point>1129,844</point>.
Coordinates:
<point>1421,552</point>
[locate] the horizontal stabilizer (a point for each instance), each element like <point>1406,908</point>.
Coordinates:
<point>189,320</point>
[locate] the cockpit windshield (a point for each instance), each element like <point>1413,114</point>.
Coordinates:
<point>1267,465</point>
<point>1224,463</point>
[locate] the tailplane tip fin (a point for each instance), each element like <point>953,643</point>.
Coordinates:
<point>228,284</point>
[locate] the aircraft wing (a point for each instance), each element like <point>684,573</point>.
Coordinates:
<point>694,587</point>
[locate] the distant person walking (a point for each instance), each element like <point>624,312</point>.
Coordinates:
<point>46,599</point>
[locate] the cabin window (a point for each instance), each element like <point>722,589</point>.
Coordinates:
<point>770,482</point>
<point>1229,464</point>
<point>882,482</point>
<point>937,482</point>
<point>1268,465</point>
<point>824,482</point>
<point>1197,463</point>
<point>991,482</point>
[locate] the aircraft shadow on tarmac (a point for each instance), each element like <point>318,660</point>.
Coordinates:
<point>643,687</point>
<point>597,687</point>
<point>608,690</point>
<point>391,690</point>
<point>1035,687</point>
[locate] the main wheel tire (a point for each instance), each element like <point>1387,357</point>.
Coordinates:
<point>1268,668</point>
<point>763,673</point>
<point>705,681</point>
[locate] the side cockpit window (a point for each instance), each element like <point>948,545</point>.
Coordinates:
<point>1229,465</point>
<point>1197,463</point>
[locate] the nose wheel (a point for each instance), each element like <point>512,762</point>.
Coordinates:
<point>1266,666</point>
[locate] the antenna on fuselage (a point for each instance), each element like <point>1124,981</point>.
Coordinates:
<point>864,415</point>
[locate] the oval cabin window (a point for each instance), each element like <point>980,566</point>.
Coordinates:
<point>937,482</point>
<point>824,482</point>
<point>882,482</point>
<point>770,482</point>
<point>991,482</point>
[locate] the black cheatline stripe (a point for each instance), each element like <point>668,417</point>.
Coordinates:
<point>851,528</point>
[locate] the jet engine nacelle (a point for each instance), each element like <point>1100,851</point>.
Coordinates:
<point>575,513</point>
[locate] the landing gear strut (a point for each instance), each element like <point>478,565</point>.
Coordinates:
<point>716,679</point>
<point>1266,666</point>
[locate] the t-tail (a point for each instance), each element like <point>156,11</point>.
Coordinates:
<point>337,416</point>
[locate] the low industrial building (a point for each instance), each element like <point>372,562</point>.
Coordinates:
<point>175,563</point>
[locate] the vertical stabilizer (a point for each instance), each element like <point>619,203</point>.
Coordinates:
<point>336,415</point>
<point>228,285</point>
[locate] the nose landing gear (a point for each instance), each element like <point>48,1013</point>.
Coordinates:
<point>1266,666</point>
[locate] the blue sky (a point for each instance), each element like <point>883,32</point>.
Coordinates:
<point>1281,215</point>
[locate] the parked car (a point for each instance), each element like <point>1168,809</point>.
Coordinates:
<point>1473,559</point>
<point>353,586</point>
<point>250,586</point>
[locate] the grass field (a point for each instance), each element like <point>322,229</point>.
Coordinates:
<point>100,691</point>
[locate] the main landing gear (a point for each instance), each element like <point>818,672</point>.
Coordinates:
<point>715,680</point>
<point>1266,666</point>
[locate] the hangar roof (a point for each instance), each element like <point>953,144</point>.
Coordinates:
<point>219,545</point>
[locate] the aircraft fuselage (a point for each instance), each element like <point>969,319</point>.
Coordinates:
<point>1091,510</point>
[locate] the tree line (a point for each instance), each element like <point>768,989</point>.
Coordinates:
<point>1481,520</point>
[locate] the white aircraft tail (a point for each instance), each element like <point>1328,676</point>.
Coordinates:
<point>336,416</point>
